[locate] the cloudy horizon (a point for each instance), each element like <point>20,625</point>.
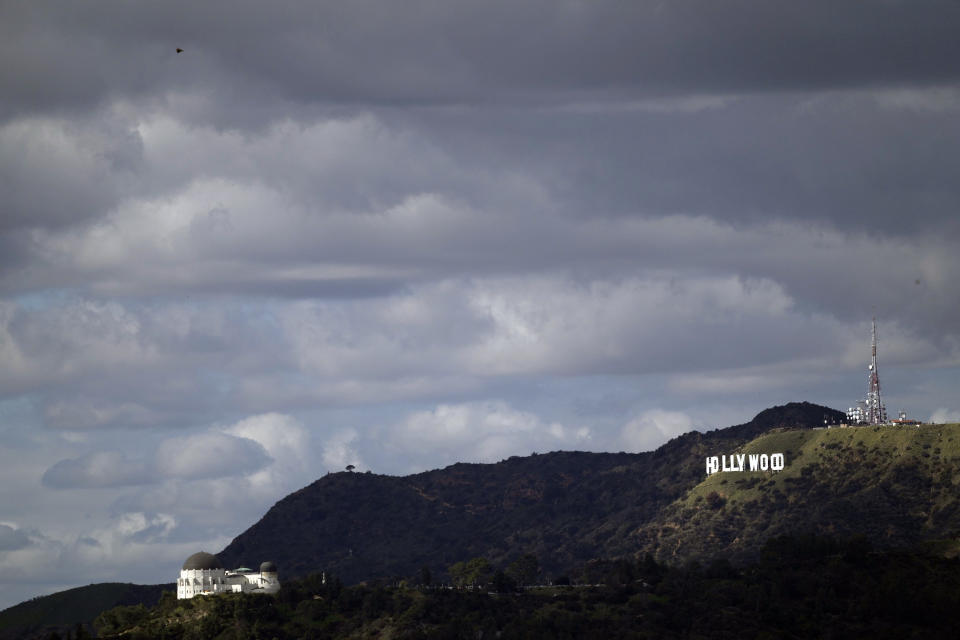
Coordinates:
<point>402,236</point>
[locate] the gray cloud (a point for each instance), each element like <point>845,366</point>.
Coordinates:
<point>299,53</point>
<point>54,172</point>
<point>82,413</point>
<point>210,455</point>
<point>12,538</point>
<point>430,323</point>
<point>98,470</point>
<point>199,456</point>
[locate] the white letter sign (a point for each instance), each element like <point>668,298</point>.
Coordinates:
<point>745,462</point>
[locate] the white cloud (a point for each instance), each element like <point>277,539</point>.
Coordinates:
<point>123,365</point>
<point>78,341</point>
<point>129,547</point>
<point>651,323</point>
<point>340,450</point>
<point>211,479</point>
<point>209,455</point>
<point>283,437</point>
<point>140,526</point>
<point>944,415</point>
<point>652,428</point>
<point>287,443</point>
<point>479,432</point>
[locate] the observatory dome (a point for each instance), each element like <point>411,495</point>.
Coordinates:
<point>202,560</point>
<point>268,567</point>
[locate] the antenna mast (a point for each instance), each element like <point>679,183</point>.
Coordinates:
<point>876,413</point>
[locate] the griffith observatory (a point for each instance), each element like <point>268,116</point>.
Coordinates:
<point>204,574</point>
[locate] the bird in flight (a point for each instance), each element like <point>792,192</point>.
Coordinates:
<point>179,50</point>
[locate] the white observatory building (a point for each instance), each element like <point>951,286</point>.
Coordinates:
<point>204,574</point>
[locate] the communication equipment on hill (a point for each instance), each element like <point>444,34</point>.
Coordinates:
<point>876,412</point>
<point>871,410</point>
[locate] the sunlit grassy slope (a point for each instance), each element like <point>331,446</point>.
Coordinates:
<point>895,485</point>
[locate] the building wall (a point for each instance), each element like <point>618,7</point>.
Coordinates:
<point>194,582</point>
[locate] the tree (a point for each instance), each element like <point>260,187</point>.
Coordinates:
<point>472,572</point>
<point>524,569</point>
<point>502,583</point>
<point>350,467</point>
<point>425,576</point>
<point>120,618</point>
<point>458,573</point>
<point>715,500</point>
<point>168,601</point>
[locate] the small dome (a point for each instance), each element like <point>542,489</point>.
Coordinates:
<point>202,560</point>
<point>268,567</point>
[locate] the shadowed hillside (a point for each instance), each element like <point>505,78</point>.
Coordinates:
<point>63,610</point>
<point>564,507</point>
<point>804,587</point>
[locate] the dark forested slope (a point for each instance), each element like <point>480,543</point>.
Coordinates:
<point>806,587</point>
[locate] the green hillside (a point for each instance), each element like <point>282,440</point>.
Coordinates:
<point>896,485</point>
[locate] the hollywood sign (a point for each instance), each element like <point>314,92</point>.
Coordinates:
<point>745,462</point>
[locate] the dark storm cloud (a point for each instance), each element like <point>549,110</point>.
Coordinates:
<point>426,52</point>
<point>849,160</point>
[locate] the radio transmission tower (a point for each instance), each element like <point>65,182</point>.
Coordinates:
<point>876,413</point>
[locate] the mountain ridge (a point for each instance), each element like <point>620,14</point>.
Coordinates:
<point>564,507</point>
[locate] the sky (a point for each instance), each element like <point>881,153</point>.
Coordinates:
<point>402,235</point>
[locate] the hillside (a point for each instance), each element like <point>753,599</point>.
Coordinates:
<point>63,610</point>
<point>897,486</point>
<point>564,507</point>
